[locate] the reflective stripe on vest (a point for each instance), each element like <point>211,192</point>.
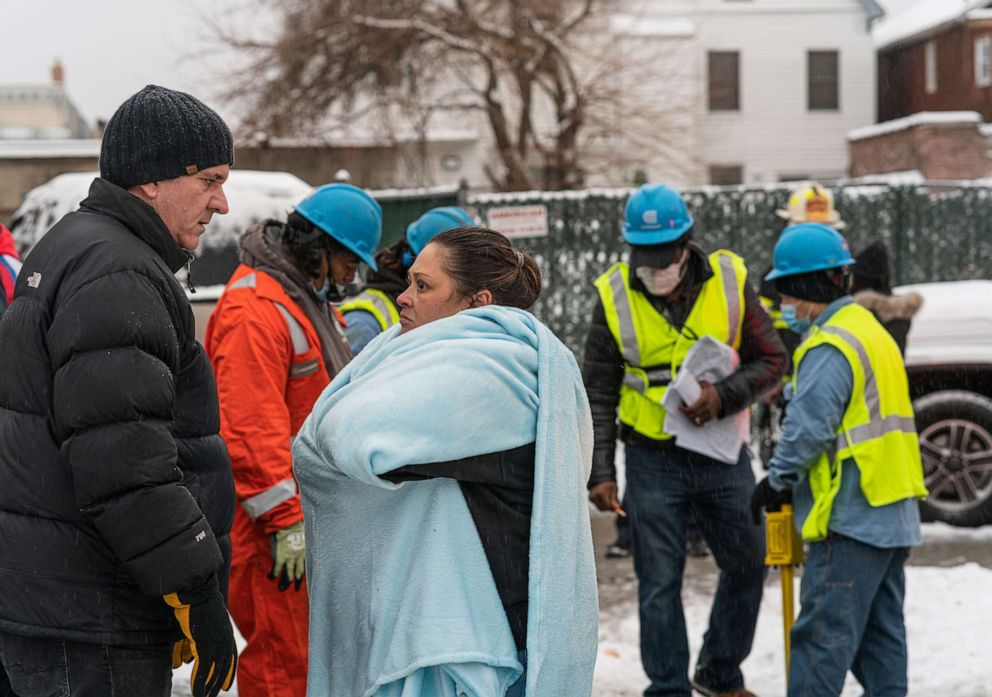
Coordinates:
<point>246,281</point>
<point>732,293</point>
<point>260,504</point>
<point>652,349</point>
<point>877,425</point>
<point>377,304</point>
<point>877,430</point>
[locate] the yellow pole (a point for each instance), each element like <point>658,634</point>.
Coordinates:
<point>784,549</point>
<point>788,612</point>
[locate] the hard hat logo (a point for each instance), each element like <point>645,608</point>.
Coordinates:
<point>655,214</point>
<point>812,204</point>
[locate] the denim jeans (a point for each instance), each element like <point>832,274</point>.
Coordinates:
<point>35,667</point>
<point>851,619</point>
<point>662,488</point>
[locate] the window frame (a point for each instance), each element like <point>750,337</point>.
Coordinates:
<point>716,100</point>
<point>814,81</point>
<point>983,60</point>
<point>931,79</point>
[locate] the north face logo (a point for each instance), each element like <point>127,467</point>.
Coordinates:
<point>34,280</point>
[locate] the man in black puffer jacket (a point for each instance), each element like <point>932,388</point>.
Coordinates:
<point>117,491</point>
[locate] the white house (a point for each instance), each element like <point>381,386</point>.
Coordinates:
<point>772,87</point>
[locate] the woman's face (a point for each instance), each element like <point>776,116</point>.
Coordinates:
<point>431,294</point>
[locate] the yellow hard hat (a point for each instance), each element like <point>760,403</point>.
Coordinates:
<point>812,204</point>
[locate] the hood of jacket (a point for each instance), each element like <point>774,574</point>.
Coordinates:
<point>261,248</point>
<point>890,307</point>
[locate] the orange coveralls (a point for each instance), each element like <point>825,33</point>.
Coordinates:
<point>270,370</point>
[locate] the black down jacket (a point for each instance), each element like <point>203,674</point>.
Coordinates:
<point>116,487</point>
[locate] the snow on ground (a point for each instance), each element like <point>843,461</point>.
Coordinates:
<point>947,611</point>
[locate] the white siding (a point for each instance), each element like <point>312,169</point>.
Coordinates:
<point>773,134</point>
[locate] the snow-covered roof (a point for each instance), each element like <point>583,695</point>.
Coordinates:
<point>921,118</point>
<point>922,18</point>
<point>366,139</point>
<point>252,196</point>
<point>33,148</point>
<point>670,27</point>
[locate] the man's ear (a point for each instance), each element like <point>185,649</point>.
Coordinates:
<point>146,192</point>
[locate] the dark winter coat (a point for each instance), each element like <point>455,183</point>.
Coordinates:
<point>763,362</point>
<point>116,487</point>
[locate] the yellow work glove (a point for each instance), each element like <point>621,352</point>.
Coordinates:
<point>209,638</point>
<point>289,554</point>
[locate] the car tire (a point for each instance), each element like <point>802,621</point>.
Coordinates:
<point>955,429</point>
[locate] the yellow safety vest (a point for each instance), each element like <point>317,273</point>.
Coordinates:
<point>377,304</point>
<point>774,311</point>
<point>878,430</point>
<point>653,349</point>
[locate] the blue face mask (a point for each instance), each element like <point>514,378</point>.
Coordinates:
<point>325,291</point>
<point>799,326</point>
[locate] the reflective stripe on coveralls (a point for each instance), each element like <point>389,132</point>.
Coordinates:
<point>260,504</point>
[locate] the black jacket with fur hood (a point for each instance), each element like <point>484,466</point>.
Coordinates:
<point>117,488</point>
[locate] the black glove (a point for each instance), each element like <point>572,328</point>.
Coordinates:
<point>202,615</point>
<point>766,497</point>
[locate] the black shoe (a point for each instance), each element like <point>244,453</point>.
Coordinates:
<point>616,551</point>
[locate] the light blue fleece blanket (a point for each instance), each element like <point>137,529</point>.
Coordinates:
<point>402,600</point>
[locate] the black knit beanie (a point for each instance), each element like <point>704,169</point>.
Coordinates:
<point>160,134</point>
<point>871,272</point>
<point>814,286</point>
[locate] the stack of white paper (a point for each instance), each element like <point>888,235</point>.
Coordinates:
<point>720,439</point>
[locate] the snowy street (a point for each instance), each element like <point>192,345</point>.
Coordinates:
<point>947,612</point>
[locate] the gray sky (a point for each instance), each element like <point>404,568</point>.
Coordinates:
<point>112,48</point>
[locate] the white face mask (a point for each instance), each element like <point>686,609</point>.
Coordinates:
<point>661,282</point>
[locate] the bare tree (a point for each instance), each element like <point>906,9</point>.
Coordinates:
<point>533,70</point>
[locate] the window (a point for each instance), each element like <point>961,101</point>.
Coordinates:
<point>724,80</point>
<point>726,175</point>
<point>823,80</point>
<point>983,61</point>
<point>930,66</point>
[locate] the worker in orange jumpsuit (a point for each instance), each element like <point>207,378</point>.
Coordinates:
<point>275,341</point>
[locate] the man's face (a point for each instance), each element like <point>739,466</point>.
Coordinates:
<point>186,204</point>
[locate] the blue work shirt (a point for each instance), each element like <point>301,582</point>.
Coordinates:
<point>825,385</point>
<point>362,328</point>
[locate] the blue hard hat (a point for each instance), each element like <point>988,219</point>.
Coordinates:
<point>809,247</point>
<point>655,214</point>
<point>347,214</point>
<point>434,222</point>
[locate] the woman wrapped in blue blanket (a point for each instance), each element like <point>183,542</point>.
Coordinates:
<point>443,479</point>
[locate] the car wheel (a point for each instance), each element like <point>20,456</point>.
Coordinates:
<point>955,429</point>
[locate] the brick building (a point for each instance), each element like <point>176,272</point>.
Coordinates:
<point>934,94</point>
<point>941,62</point>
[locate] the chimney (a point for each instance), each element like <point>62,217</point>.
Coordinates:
<point>58,74</point>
